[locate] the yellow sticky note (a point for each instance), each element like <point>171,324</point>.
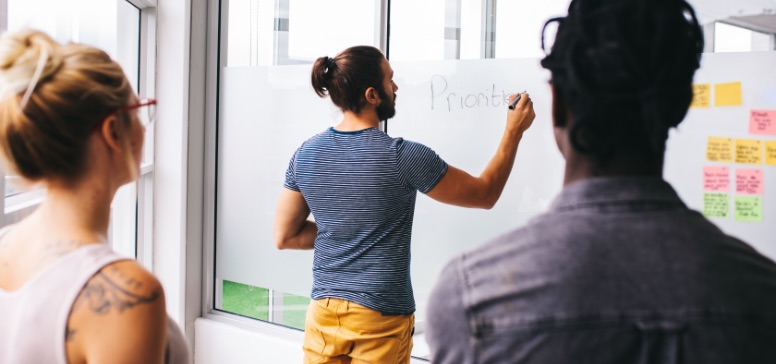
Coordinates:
<point>727,94</point>
<point>719,149</point>
<point>749,151</point>
<point>701,94</point>
<point>770,153</point>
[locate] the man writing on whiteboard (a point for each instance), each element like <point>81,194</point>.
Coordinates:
<point>360,186</point>
<point>619,270</point>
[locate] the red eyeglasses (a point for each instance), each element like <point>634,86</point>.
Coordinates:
<point>145,118</point>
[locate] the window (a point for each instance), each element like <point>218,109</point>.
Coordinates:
<point>120,28</point>
<point>270,48</point>
<point>266,109</point>
<point>731,38</point>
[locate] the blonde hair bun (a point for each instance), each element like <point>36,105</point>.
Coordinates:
<point>26,58</point>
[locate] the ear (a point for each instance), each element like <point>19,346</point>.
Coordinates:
<point>372,96</point>
<point>560,110</point>
<point>560,121</point>
<point>110,134</point>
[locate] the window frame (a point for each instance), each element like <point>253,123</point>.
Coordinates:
<point>144,185</point>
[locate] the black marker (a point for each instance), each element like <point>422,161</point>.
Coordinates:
<point>514,102</point>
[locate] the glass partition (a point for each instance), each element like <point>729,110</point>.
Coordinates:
<point>439,50</point>
<point>267,109</point>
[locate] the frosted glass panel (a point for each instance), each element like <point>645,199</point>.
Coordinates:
<point>266,113</point>
<point>458,108</point>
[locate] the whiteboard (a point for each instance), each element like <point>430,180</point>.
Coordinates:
<point>458,109</point>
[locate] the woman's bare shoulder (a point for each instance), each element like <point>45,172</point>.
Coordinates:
<point>122,303</point>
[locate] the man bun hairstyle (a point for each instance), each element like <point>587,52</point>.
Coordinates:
<point>625,69</point>
<point>346,77</point>
<point>52,96</point>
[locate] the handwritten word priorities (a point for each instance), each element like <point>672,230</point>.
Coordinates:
<point>442,98</point>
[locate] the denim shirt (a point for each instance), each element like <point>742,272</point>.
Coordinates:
<point>619,270</point>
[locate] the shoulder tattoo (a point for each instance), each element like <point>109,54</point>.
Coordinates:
<point>105,293</point>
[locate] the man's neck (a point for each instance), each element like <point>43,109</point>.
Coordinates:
<point>579,167</point>
<point>353,122</point>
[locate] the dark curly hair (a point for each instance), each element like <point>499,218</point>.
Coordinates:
<point>624,68</point>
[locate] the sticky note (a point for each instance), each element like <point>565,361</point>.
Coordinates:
<point>719,149</point>
<point>749,151</point>
<point>762,122</point>
<point>770,153</point>
<point>749,181</point>
<point>749,208</point>
<point>701,95</point>
<point>715,204</point>
<point>727,94</point>
<point>716,178</point>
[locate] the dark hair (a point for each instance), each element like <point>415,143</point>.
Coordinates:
<point>346,77</point>
<point>625,68</point>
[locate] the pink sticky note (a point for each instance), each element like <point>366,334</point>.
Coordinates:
<point>716,178</point>
<point>762,122</point>
<point>749,181</point>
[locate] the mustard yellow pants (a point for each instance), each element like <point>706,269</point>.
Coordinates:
<point>340,331</point>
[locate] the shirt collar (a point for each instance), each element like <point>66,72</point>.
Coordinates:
<point>615,190</point>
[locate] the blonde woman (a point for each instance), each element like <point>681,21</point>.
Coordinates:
<point>70,122</point>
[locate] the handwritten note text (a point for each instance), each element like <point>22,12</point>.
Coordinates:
<point>749,208</point>
<point>749,151</point>
<point>701,96</point>
<point>762,122</point>
<point>719,149</point>
<point>716,178</point>
<point>715,204</point>
<point>749,181</point>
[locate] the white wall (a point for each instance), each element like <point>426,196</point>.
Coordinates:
<point>224,341</point>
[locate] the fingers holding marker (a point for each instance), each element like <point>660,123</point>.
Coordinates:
<point>521,111</point>
<point>514,99</point>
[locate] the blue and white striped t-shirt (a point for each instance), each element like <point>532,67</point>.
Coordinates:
<point>361,188</point>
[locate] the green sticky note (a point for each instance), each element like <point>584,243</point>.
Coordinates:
<point>715,204</point>
<point>749,208</point>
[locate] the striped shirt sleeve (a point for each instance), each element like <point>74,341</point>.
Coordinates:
<point>419,167</point>
<point>290,182</point>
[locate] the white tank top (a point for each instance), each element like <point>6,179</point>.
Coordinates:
<point>33,318</point>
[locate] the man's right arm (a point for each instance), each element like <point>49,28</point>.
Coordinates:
<point>292,230</point>
<point>462,189</point>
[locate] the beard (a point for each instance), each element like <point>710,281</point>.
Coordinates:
<point>387,108</point>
